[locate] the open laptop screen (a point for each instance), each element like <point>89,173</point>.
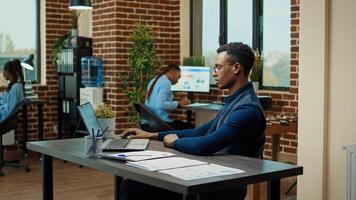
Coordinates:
<point>89,118</point>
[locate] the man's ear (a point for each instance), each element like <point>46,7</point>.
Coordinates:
<point>237,68</point>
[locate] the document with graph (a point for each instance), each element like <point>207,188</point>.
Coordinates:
<point>201,171</point>
<point>165,163</point>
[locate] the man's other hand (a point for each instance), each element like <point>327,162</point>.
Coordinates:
<point>169,139</point>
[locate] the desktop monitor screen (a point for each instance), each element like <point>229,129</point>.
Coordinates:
<point>193,79</point>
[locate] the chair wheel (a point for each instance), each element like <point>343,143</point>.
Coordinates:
<point>2,174</point>
<point>27,169</point>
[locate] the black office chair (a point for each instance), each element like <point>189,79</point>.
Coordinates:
<point>153,122</point>
<point>7,125</point>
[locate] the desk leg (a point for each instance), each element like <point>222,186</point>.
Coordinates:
<point>40,125</point>
<point>25,136</point>
<point>275,146</point>
<point>117,183</point>
<point>47,186</point>
<point>274,189</point>
<point>25,128</point>
<point>191,197</point>
<point>189,117</point>
<point>40,121</point>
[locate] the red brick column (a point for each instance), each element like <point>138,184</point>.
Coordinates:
<point>113,23</point>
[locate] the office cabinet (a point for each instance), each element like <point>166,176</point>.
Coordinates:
<point>69,84</point>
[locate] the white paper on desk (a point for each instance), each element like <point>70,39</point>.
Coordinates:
<point>136,155</point>
<point>201,171</point>
<point>165,163</point>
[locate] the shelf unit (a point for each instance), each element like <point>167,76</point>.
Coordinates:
<point>70,82</point>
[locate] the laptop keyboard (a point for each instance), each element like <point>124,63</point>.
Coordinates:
<point>117,144</point>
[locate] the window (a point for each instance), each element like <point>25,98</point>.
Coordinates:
<point>262,24</point>
<point>19,33</point>
<point>276,43</point>
<point>211,32</point>
<point>239,18</point>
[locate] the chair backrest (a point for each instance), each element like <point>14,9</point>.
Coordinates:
<point>155,123</point>
<point>10,122</point>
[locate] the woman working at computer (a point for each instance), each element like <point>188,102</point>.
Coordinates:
<point>14,92</point>
<point>159,96</point>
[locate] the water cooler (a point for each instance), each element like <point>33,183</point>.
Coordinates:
<point>92,80</point>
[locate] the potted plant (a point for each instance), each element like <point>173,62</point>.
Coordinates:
<point>144,62</point>
<point>106,118</point>
<point>74,15</point>
<point>56,49</point>
<point>256,71</point>
<point>194,61</point>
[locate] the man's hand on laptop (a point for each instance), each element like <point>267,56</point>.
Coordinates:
<point>138,133</point>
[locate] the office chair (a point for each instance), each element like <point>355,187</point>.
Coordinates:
<point>153,122</point>
<point>9,123</point>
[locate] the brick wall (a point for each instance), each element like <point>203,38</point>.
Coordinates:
<point>113,22</point>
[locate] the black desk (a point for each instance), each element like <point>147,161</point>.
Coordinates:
<point>257,170</point>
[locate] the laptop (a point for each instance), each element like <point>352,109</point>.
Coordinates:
<point>109,144</point>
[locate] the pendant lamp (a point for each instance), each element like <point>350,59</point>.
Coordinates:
<point>80,5</point>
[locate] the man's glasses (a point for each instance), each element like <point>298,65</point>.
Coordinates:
<point>217,68</point>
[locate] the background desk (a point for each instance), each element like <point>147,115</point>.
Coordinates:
<point>257,170</point>
<point>203,114</point>
<point>39,103</point>
<point>276,130</point>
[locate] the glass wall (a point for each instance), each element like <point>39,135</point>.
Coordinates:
<point>19,33</point>
<point>262,24</point>
<point>239,21</point>
<point>276,43</point>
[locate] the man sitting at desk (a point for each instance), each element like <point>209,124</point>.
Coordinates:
<point>237,129</point>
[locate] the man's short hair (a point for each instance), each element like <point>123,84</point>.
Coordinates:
<point>239,52</point>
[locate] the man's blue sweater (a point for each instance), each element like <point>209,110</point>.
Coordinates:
<point>237,129</point>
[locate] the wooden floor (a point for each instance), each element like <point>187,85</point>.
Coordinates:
<point>72,183</point>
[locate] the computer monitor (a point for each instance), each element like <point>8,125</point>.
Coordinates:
<point>193,79</point>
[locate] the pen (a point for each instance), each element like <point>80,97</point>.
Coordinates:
<point>102,134</point>
<point>93,147</point>
<point>125,156</point>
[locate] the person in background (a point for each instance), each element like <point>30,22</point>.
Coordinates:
<point>237,129</point>
<point>159,96</point>
<point>14,92</point>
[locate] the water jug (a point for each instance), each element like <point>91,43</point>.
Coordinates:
<point>92,71</point>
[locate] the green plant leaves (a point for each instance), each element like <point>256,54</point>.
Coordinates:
<point>144,62</point>
<point>56,48</point>
<point>104,111</point>
<point>257,68</point>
